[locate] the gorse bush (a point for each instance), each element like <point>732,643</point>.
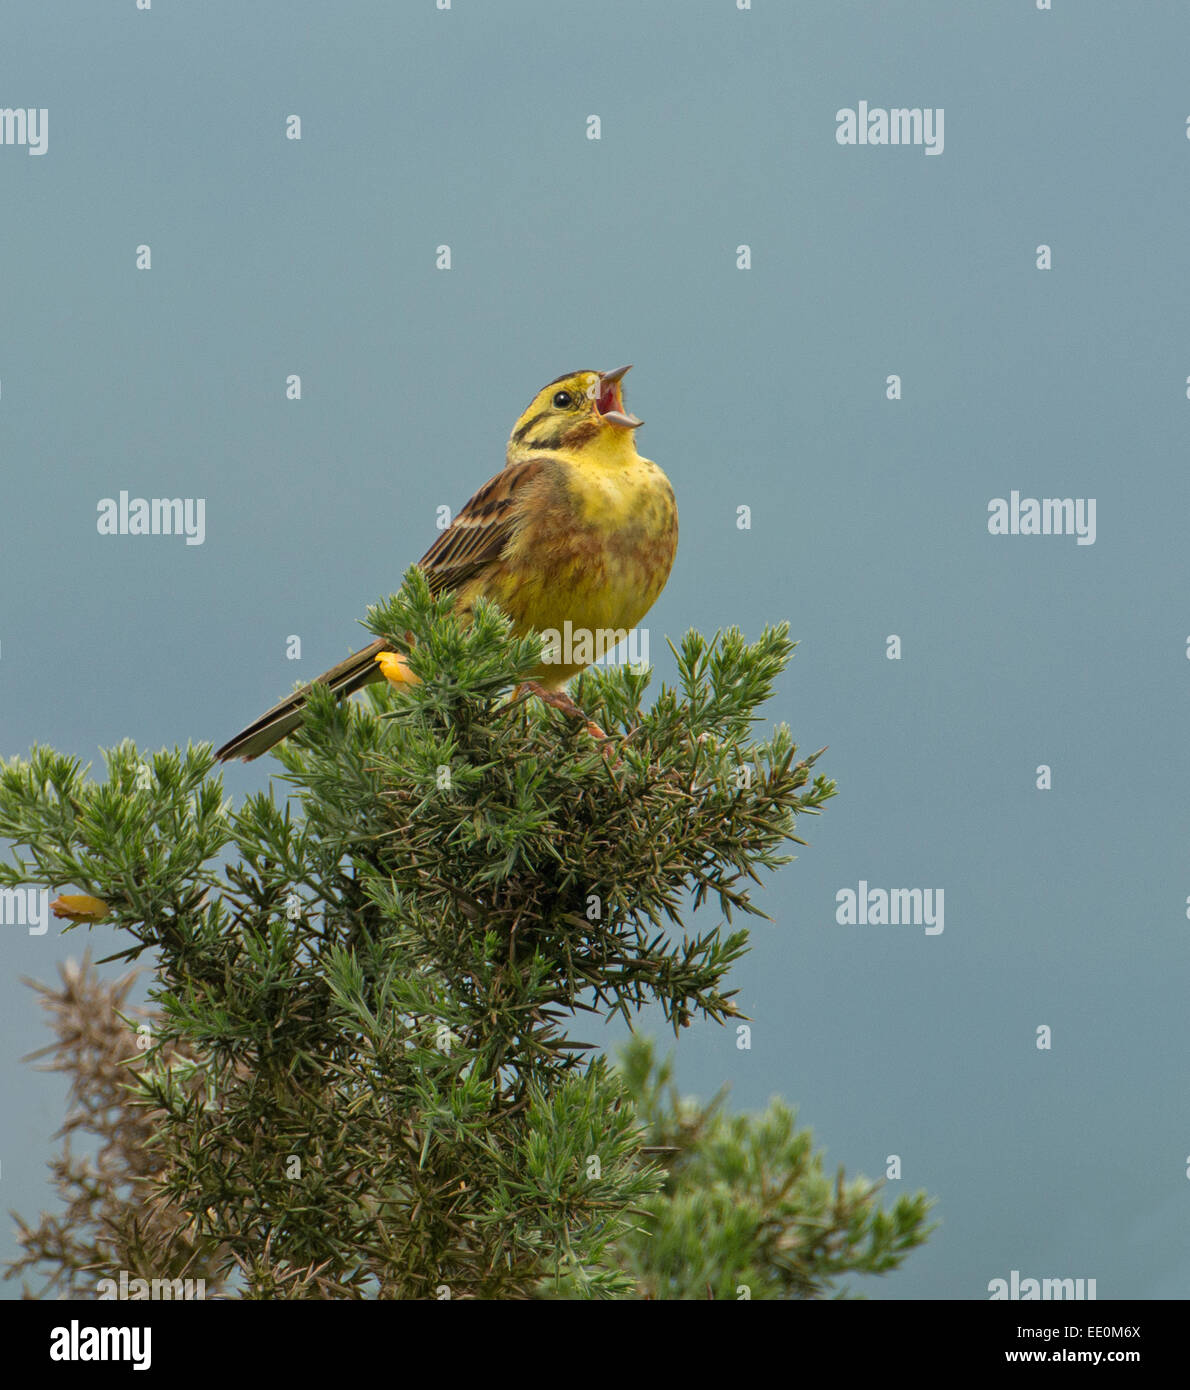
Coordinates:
<point>362,1077</point>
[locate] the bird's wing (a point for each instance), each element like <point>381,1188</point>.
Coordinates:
<point>476,539</point>
<point>483,528</point>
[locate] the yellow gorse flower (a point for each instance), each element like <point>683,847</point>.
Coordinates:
<point>79,907</point>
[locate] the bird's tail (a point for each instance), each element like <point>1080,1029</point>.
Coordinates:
<point>376,662</point>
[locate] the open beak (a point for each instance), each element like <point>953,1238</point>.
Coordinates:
<point>610,401</point>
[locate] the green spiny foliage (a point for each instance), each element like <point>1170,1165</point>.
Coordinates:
<point>747,1209</point>
<point>364,1077</point>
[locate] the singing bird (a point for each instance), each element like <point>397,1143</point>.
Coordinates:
<point>577,527</point>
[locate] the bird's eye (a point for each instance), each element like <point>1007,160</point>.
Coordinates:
<point>563,400</point>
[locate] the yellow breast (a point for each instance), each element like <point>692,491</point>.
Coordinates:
<point>594,551</point>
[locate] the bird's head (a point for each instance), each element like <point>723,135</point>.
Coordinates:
<point>581,410</point>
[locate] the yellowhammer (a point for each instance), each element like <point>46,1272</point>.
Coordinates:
<point>577,529</point>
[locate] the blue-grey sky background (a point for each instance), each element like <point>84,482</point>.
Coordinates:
<point>763,388</point>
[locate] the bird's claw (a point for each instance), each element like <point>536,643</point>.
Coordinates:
<point>559,700</point>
